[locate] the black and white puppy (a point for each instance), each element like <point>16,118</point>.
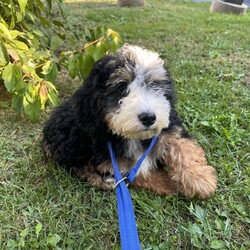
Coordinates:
<point>127,99</point>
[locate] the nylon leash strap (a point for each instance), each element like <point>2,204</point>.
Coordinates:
<point>127,224</point>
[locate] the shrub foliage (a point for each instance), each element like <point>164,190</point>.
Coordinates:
<point>32,41</point>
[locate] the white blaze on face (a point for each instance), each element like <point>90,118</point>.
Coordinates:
<point>141,99</point>
<point>143,96</point>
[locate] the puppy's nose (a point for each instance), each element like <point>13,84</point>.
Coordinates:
<point>147,118</point>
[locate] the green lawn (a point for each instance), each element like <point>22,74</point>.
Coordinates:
<point>208,55</point>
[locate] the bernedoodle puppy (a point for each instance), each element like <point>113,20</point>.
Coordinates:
<point>126,100</point>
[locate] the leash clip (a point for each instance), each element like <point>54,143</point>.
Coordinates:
<point>118,182</point>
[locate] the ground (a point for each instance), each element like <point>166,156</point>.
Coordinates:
<point>208,55</point>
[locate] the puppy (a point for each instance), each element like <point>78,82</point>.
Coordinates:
<point>126,100</point>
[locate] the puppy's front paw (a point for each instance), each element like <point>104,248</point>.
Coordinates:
<point>101,181</point>
<point>198,181</point>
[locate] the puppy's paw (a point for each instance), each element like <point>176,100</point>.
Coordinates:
<point>198,181</point>
<point>101,181</point>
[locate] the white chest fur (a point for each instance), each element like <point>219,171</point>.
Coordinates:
<point>134,150</point>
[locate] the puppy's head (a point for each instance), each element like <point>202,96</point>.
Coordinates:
<point>134,93</point>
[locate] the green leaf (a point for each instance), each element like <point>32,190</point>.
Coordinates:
<point>45,22</point>
<point>73,65</point>
<point>220,225</point>
<point>182,229</point>
<point>98,51</point>
<point>32,110</point>
<point>5,31</point>
<point>38,33</point>
<point>40,54</point>
<point>217,244</point>
<point>39,227</point>
<point>20,87</point>
<point>29,69</point>
<point>11,76</point>
<point>47,67</point>
<point>90,50</point>
<point>200,213</point>
<point>53,240</point>
<point>58,23</point>
<point>115,37</point>
<point>49,4</point>
<point>4,57</point>
<point>19,16</point>
<point>52,74</point>
<point>31,92</point>
<point>86,63</point>
<point>22,4</point>
<point>24,233</point>
<point>62,6</point>
<point>88,35</point>
<point>3,22</point>
<point>205,123</point>
<point>15,33</point>
<point>195,229</point>
<point>98,32</point>
<point>196,241</point>
<point>31,17</point>
<point>55,42</point>
<point>117,40</point>
<point>12,244</point>
<point>53,98</point>
<point>21,45</point>
<point>17,102</point>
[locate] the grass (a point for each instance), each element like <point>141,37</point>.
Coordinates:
<point>208,55</point>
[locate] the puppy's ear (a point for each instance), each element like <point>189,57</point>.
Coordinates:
<point>85,105</point>
<point>87,101</point>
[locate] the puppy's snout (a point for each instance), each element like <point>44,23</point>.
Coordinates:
<point>147,118</point>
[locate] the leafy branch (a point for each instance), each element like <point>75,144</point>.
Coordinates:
<point>32,35</point>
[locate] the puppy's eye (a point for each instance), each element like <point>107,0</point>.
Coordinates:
<point>122,86</point>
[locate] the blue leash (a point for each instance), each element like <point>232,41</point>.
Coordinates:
<point>128,231</point>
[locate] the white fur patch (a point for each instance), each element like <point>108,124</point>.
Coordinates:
<point>144,60</point>
<point>134,150</point>
<point>144,96</point>
<point>140,99</point>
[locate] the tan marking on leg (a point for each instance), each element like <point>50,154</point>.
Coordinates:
<point>188,165</point>
<point>104,168</point>
<point>89,174</point>
<point>157,181</point>
<point>93,175</point>
<point>124,165</point>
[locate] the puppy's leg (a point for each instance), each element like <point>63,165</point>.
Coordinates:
<point>187,164</point>
<point>95,178</point>
<point>156,180</point>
